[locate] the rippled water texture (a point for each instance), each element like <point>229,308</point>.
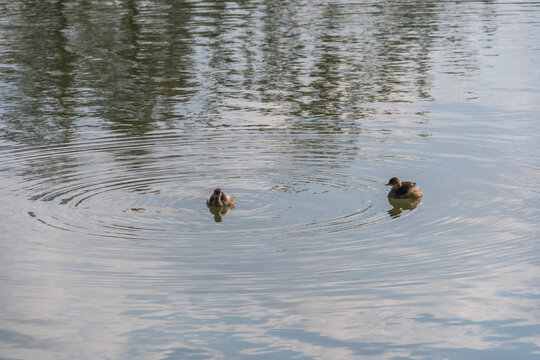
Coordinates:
<point>119,118</point>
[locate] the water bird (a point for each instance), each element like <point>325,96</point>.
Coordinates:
<point>220,199</point>
<point>403,190</point>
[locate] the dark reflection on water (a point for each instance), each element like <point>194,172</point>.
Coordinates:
<point>117,118</point>
<point>398,205</point>
<point>219,212</point>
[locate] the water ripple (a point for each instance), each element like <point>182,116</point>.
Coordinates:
<point>115,186</point>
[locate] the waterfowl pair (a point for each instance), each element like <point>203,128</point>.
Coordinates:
<point>400,190</point>
<point>220,202</point>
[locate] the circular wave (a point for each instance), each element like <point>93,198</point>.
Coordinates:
<point>154,187</point>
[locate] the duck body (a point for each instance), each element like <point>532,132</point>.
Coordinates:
<point>220,199</point>
<point>403,190</point>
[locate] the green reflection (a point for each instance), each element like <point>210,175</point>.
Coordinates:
<point>219,212</point>
<point>398,205</point>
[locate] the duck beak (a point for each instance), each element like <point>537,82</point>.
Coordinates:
<point>388,184</point>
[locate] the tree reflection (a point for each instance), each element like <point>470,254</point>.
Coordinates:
<point>132,64</point>
<point>39,106</point>
<point>131,67</point>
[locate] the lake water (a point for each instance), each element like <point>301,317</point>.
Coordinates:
<point>119,118</point>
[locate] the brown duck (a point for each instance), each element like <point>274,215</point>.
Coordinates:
<point>403,190</point>
<point>220,199</point>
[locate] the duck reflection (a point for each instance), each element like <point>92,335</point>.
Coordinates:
<point>402,204</point>
<point>219,212</point>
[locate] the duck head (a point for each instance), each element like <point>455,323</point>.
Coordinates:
<point>394,183</point>
<point>218,197</point>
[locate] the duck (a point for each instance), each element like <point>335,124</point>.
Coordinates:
<point>403,190</point>
<point>220,199</point>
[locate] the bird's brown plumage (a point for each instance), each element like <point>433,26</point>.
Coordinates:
<point>403,190</point>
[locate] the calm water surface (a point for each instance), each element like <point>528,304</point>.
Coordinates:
<point>118,118</point>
